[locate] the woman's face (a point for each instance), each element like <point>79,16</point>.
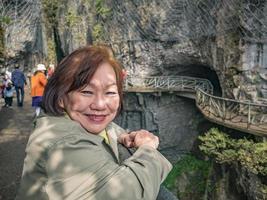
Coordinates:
<point>96,105</point>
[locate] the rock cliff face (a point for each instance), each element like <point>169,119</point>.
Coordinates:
<point>174,119</point>
<point>223,41</point>
<point>175,37</point>
<point>25,39</point>
<point>156,37</point>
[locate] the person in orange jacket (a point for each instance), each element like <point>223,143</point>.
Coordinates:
<point>38,83</point>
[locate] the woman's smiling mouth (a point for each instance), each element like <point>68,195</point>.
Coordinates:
<point>96,118</point>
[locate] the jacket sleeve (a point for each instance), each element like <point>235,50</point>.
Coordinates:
<point>42,79</point>
<point>82,170</point>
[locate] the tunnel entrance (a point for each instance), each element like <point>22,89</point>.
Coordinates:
<point>202,71</point>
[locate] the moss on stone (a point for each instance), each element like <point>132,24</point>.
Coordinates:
<point>4,21</point>
<point>102,9</point>
<point>102,14</point>
<point>50,8</point>
<point>2,44</point>
<point>51,51</point>
<point>98,32</point>
<point>72,18</point>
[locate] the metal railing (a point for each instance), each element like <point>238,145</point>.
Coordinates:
<point>245,116</point>
<point>168,83</point>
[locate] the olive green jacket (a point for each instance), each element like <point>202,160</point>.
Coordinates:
<point>64,161</point>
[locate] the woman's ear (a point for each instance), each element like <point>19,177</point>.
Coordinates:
<point>61,103</point>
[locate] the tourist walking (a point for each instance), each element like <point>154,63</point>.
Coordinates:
<point>38,83</point>
<point>18,79</point>
<point>3,84</point>
<point>8,94</point>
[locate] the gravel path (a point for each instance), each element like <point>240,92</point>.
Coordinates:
<point>15,127</point>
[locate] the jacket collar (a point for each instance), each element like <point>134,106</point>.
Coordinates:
<point>113,139</point>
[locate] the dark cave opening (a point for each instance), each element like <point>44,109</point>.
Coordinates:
<point>202,71</point>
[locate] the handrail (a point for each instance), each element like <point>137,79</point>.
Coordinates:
<point>169,83</point>
<point>245,116</point>
<point>241,115</point>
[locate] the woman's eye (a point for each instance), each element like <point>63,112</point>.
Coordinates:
<point>111,93</point>
<point>87,92</point>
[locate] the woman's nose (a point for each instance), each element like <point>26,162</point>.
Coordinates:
<point>98,103</point>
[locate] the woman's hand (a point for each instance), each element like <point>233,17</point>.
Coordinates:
<point>139,138</point>
<point>127,139</point>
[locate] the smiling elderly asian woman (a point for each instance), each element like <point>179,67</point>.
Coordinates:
<point>74,151</point>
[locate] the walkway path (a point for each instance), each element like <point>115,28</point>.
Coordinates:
<point>240,115</point>
<point>15,127</point>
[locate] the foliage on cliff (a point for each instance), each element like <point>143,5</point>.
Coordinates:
<point>251,155</point>
<point>102,14</point>
<point>4,21</point>
<point>72,18</point>
<point>50,8</point>
<point>189,178</point>
<point>2,46</point>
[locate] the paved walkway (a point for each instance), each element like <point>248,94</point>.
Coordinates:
<point>15,127</point>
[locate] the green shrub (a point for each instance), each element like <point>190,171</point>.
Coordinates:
<point>189,164</point>
<point>98,32</point>
<point>101,9</point>
<point>251,155</point>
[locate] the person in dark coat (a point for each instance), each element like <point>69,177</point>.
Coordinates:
<point>18,79</point>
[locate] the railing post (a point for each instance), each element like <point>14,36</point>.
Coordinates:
<point>248,115</point>
<point>224,110</point>
<point>203,99</point>
<point>209,106</point>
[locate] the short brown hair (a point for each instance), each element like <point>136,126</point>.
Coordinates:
<point>74,72</point>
